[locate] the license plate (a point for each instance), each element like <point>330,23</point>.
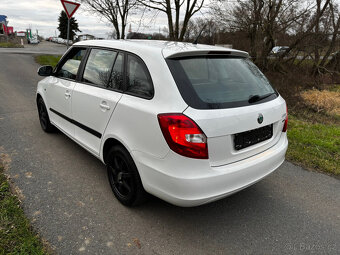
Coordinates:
<point>251,137</point>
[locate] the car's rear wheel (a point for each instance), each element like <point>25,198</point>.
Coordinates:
<point>124,177</point>
<point>43,117</point>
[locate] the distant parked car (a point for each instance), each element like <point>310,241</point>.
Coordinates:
<point>34,40</point>
<point>335,54</point>
<point>279,50</point>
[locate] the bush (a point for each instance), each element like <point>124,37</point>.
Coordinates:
<point>322,101</point>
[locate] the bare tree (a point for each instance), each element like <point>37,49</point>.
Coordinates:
<point>243,16</point>
<point>206,28</point>
<point>265,21</point>
<point>279,18</point>
<point>173,9</point>
<point>112,34</point>
<point>307,26</point>
<point>334,32</point>
<point>115,11</point>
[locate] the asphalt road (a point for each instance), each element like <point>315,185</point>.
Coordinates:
<point>67,196</point>
<point>43,47</point>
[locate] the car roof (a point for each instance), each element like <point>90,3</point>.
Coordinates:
<point>169,49</point>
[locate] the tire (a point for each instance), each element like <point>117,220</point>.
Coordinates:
<point>43,117</point>
<point>124,178</point>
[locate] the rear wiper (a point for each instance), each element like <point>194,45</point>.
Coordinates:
<point>256,98</point>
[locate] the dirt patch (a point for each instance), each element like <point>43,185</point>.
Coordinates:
<point>5,159</point>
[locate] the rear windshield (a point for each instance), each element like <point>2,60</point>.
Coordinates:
<point>220,82</point>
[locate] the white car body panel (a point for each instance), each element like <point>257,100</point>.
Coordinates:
<point>192,182</point>
<point>59,94</point>
<point>131,118</point>
<point>92,107</point>
<point>132,121</point>
<point>134,115</point>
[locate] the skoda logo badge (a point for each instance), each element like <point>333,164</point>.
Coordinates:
<point>260,118</point>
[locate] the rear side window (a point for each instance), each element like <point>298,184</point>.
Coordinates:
<point>220,82</point>
<point>138,79</point>
<point>70,65</point>
<point>98,67</point>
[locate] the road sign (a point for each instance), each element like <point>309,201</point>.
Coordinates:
<point>70,7</point>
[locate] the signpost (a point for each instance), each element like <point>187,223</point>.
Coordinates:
<point>70,8</point>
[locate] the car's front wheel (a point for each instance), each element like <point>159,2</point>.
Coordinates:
<point>124,177</point>
<point>43,117</point>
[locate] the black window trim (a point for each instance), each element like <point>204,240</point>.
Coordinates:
<point>62,62</point>
<point>82,65</point>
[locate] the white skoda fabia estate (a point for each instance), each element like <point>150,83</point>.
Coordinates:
<point>187,123</point>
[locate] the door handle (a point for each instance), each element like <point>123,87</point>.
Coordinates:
<point>103,105</point>
<point>67,94</point>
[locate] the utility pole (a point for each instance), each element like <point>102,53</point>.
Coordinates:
<point>68,32</point>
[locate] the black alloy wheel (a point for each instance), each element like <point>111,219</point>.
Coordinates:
<point>120,177</point>
<point>123,176</point>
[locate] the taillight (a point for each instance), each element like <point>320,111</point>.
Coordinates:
<point>183,135</point>
<point>286,121</point>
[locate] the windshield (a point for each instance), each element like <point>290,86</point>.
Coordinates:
<point>220,82</point>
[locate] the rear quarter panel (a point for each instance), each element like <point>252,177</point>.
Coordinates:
<point>134,122</point>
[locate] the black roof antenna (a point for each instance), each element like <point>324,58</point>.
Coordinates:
<point>199,35</point>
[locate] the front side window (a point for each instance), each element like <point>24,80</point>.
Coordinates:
<point>98,67</point>
<point>220,82</point>
<point>71,63</point>
<point>138,79</point>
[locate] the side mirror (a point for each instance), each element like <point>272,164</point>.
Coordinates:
<point>45,70</point>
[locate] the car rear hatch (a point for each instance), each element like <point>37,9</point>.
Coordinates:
<point>231,101</point>
<point>236,134</point>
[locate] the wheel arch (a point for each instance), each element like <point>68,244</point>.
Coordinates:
<point>38,96</point>
<point>109,142</point>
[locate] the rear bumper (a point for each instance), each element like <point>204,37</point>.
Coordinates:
<point>191,182</point>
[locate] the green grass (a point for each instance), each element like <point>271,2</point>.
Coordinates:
<point>10,45</point>
<point>47,60</point>
<point>335,88</point>
<point>16,236</point>
<point>314,145</point>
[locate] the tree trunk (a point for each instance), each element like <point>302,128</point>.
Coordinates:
<point>170,22</point>
<point>123,30</point>
<point>316,38</point>
<point>177,10</point>
<point>336,27</point>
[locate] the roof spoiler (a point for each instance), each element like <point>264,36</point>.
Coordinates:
<point>197,53</point>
